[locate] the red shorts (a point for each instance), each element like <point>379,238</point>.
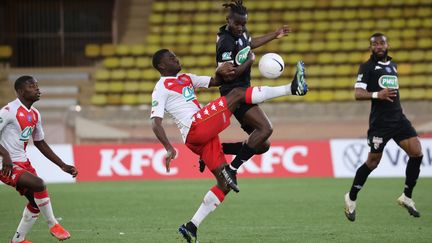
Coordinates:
<point>17,170</point>
<point>203,136</point>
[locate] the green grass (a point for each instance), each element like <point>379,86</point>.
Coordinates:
<point>266,210</point>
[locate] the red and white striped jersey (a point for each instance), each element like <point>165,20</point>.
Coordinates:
<point>176,96</point>
<point>17,125</point>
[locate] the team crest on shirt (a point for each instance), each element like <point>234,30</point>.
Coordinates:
<point>388,69</point>
<point>29,118</point>
<point>388,81</point>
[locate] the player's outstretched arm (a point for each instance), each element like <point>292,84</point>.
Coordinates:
<point>159,131</point>
<point>45,149</point>
<point>279,33</point>
<point>384,94</point>
<point>7,162</point>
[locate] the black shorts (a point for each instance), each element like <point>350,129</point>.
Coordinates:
<point>239,114</point>
<point>378,137</point>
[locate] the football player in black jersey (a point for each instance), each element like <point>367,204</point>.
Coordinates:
<point>377,81</point>
<point>233,45</point>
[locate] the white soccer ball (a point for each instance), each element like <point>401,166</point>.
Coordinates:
<point>271,65</point>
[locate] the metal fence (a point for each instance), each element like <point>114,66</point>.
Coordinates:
<point>54,32</point>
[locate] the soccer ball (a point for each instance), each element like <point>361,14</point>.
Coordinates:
<point>271,65</point>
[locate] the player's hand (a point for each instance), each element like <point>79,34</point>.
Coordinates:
<point>226,70</point>
<point>70,170</point>
<point>387,94</point>
<point>251,56</point>
<point>7,168</point>
<point>283,31</point>
<point>171,154</point>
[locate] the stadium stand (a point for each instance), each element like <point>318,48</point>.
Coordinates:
<point>330,36</point>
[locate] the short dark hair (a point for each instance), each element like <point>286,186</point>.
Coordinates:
<point>157,56</point>
<point>378,34</point>
<point>19,83</point>
<point>236,6</point>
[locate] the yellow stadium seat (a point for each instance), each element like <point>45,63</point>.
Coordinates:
<point>312,96</point>
<point>425,43</point>
<point>114,99</point>
<point>101,75</point>
<point>92,50</point>
<point>118,74</point>
<point>127,62</point>
<point>116,86</point>
<point>138,50</point>
<point>133,74</point>
<point>404,69</point>
<point>111,62</point>
<point>326,96</point>
<point>143,62</point>
<point>416,56</point>
<point>144,98</point>
<point>108,50</point>
<point>150,74</point>
<point>405,94</point>
<point>343,95</point>
<point>123,50</point>
<point>173,6</point>
<point>98,99</point>
<point>101,87</point>
<point>5,51</point>
<point>159,6</point>
<point>146,86</point>
<point>418,81</point>
<point>129,99</point>
<point>156,18</point>
<point>131,86</point>
<point>394,13</point>
<point>427,22</point>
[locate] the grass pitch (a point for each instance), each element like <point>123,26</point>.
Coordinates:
<point>266,210</point>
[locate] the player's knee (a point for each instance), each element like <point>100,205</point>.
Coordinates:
<point>265,146</point>
<point>38,185</point>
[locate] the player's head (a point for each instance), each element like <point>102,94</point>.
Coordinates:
<point>237,17</point>
<point>379,45</point>
<point>166,62</point>
<point>27,88</point>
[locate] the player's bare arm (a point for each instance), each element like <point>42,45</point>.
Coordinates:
<point>243,67</point>
<point>45,149</point>
<point>7,162</point>
<point>262,40</point>
<point>159,131</point>
<point>384,94</point>
<point>225,71</point>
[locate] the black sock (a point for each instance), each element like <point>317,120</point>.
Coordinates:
<point>191,227</point>
<point>359,180</point>
<point>243,155</point>
<point>231,148</point>
<point>412,173</point>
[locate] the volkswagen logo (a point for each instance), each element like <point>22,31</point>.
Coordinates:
<point>354,156</point>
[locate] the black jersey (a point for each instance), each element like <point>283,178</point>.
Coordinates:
<point>374,76</point>
<point>230,48</point>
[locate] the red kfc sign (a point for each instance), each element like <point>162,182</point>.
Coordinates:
<point>146,161</point>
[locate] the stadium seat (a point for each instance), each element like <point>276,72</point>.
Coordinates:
<point>127,62</point>
<point>118,74</point>
<point>92,50</point>
<point>129,99</point>
<point>101,87</point>
<point>111,62</point>
<point>143,62</point>
<point>101,75</point>
<point>114,99</point>
<point>144,98</point>
<point>108,50</point>
<point>123,50</point>
<point>5,51</point>
<point>137,50</point>
<point>146,86</point>
<point>133,74</point>
<point>131,86</point>
<point>99,99</point>
<point>116,87</point>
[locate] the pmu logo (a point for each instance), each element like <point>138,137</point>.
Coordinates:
<point>354,156</point>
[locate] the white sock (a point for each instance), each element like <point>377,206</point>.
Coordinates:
<point>25,225</point>
<point>263,93</point>
<point>208,205</point>
<point>45,208</point>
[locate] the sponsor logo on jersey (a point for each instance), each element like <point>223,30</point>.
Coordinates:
<point>388,81</point>
<point>26,133</point>
<point>242,55</point>
<point>188,93</point>
<point>226,56</point>
<point>155,103</point>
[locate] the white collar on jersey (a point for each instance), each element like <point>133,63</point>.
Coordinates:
<point>384,63</point>
<point>19,101</point>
